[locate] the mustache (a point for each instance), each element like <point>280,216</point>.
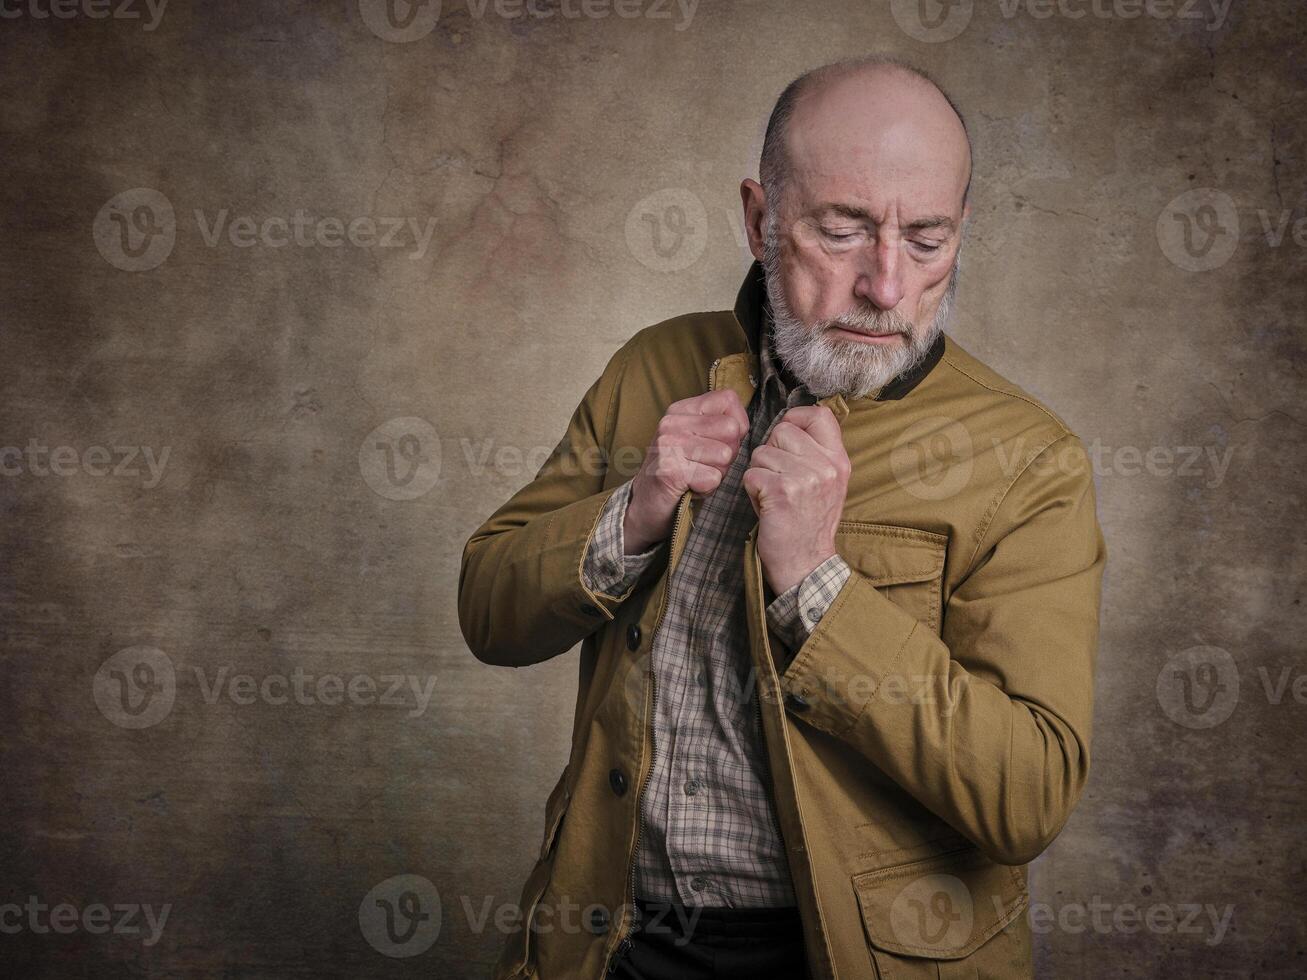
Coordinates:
<point>879,323</point>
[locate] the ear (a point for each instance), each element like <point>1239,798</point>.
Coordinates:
<point>754,200</point>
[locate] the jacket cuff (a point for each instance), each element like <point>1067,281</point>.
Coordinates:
<point>795,613</point>
<point>606,570</point>
<point>856,645</point>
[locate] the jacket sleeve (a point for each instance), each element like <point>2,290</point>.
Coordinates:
<point>987,724</point>
<point>522,597</point>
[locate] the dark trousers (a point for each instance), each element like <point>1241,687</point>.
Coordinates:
<point>688,943</point>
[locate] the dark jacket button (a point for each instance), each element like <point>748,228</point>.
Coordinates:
<point>617,780</point>
<point>796,702</point>
<point>633,637</point>
<point>598,920</point>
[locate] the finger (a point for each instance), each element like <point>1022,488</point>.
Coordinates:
<point>758,484</point>
<point>703,479</point>
<point>722,402</point>
<point>719,427</point>
<point>683,451</point>
<point>819,422</point>
<point>793,439</point>
<point>711,452</point>
<point>774,459</point>
<point>735,409</point>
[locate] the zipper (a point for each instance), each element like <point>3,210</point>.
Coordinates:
<point>772,815</point>
<point>681,508</point>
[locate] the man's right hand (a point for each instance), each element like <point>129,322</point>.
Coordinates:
<point>692,449</point>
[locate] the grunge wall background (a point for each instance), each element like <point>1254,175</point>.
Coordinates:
<point>294,294</point>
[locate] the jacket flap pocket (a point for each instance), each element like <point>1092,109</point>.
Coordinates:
<point>888,555</point>
<point>941,908</point>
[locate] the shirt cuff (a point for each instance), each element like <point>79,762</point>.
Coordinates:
<point>606,570</point>
<point>794,614</point>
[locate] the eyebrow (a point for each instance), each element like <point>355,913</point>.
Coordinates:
<point>919,224</point>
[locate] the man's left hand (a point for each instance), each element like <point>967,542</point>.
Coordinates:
<point>797,482</point>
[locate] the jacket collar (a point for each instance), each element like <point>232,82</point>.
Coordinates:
<point>754,317</point>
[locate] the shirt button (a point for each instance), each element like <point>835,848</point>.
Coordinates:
<point>698,883</point>
<point>814,613</point>
<point>617,780</point>
<point>699,678</point>
<point>692,787</point>
<point>633,637</point>
<point>724,575</point>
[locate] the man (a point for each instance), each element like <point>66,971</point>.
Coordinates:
<point>838,629</point>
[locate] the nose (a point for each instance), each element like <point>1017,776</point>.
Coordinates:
<point>880,280</point>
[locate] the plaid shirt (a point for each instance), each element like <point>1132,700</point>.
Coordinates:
<point>710,835</point>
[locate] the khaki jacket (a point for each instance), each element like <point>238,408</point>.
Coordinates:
<point>927,741</point>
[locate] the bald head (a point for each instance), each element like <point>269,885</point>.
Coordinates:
<point>869,108</point>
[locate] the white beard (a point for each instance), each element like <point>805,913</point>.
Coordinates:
<point>830,366</point>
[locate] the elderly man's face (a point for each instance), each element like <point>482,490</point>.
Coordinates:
<point>861,250</point>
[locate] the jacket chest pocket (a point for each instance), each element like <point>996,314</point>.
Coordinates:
<point>903,563</point>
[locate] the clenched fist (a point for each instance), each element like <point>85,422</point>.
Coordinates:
<point>692,449</point>
<point>797,482</point>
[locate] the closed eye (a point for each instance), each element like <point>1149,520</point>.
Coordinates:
<point>840,235</point>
